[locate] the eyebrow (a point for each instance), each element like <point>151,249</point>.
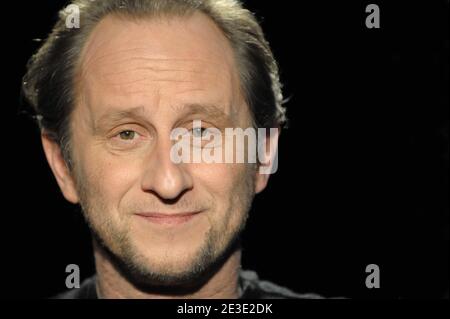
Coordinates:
<point>118,115</point>
<point>210,110</point>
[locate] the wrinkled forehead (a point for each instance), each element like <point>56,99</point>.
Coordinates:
<point>184,58</point>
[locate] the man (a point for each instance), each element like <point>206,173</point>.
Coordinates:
<point>108,95</point>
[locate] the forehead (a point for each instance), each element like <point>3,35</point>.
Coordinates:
<point>177,60</point>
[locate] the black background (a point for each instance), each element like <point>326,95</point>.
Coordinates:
<point>363,168</point>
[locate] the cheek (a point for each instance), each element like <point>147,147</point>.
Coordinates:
<point>230,188</point>
<point>109,178</point>
<point>218,178</point>
<point>222,181</point>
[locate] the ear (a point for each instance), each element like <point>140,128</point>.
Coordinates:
<point>267,156</point>
<point>59,168</point>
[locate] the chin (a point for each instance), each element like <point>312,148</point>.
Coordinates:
<point>171,265</point>
<point>170,259</point>
<point>171,270</point>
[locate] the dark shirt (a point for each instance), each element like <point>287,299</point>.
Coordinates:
<point>250,287</point>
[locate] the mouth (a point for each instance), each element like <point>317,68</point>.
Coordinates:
<point>168,218</point>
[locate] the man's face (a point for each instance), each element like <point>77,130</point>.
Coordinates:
<point>138,81</point>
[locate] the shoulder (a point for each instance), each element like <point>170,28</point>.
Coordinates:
<point>87,290</point>
<point>252,287</point>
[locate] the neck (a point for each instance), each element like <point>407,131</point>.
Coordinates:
<point>112,284</point>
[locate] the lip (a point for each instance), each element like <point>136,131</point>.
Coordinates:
<point>168,218</point>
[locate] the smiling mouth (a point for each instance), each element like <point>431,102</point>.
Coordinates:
<point>168,219</point>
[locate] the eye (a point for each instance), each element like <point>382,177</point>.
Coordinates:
<point>127,135</point>
<point>199,131</point>
<point>127,138</point>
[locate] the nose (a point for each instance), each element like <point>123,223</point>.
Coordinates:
<point>166,179</point>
